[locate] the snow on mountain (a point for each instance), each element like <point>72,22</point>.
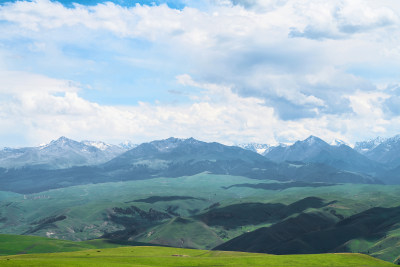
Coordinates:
<point>383,150</point>
<point>255,147</point>
<point>98,144</point>
<point>365,146</point>
<point>60,153</point>
<point>315,150</point>
<point>127,145</point>
<point>64,152</point>
<point>338,142</point>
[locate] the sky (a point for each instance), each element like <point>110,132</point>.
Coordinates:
<point>230,71</point>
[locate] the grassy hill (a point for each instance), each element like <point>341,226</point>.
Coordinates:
<point>25,244</point>
<point>374,232</point>
<point>162,256</point>
<point>183,232</point>
<point>200,211</point>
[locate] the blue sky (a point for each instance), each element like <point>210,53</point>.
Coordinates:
<point>231,71</point>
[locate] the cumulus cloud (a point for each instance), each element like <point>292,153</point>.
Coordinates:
<point>25,83</point>
<point>217,115</point>
<point>226,117</point>
<point>250,70</point>
<point>339,19</point>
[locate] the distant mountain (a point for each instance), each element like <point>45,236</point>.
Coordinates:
<point>178,157</point>
<point>366,146</point>
<point>315,150</point>
<point>175,158</point>
<point>386,151</point>
<point>127,145</point>
<point>320,172</point>
<point>255,147</point>
<point>338,142</point>
<point>60,153</point>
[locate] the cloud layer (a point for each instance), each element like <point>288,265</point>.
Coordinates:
<point>229,71</point>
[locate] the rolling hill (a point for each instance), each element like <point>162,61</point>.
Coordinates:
<point>310,233</point>
<point>162,256</point>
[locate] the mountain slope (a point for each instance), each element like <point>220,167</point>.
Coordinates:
<point>366,146</point>
<point>272,239</point>
<point>174,158</point>
<point>386,151</point>
<point>60,153</point>
<point>374,229</point>
<point>316,150</point>
<point>178,157</point>
<point>255,147</point>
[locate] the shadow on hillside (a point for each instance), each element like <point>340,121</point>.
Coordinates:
<point>238,215</point>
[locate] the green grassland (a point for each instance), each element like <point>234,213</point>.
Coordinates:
<point>162,256</point>
<point>200,211</point>
<point>24,244</point>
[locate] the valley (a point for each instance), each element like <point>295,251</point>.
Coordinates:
<point>191,194</point>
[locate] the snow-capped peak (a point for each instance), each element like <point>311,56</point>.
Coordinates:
<point>311,140</point>
<point>365,146</point>
<point>127,145</point>
<point>97,144</point>
<point>393,139</point>
<point>255,147</point>
<point>338,142</point>
<point>60,142</point>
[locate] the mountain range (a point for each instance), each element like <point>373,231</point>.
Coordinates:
<point>382,150</point>
<point>308,197</point>
<point>61,153</point>
<point>65,162</point>
<point>315,150</point>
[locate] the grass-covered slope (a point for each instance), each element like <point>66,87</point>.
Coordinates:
<point>182,232</point>
<point>23,244</point>
<point>374,232</point>
<point>161,256</point>
<point>200,211</point>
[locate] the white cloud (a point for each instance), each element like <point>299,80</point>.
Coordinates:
<point>25,83</point>
<point>257,83</point>
<point>220,115</point>
<point>46,116</point>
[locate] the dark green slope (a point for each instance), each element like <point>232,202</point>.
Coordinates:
<point>182,232</point>
<point>268,239</point>
<point>237,215</point>
<point>374,231</point>
<point>206,230</point>
<point>280,186</point>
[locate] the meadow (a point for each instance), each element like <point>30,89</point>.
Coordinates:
<point>162,256</point>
